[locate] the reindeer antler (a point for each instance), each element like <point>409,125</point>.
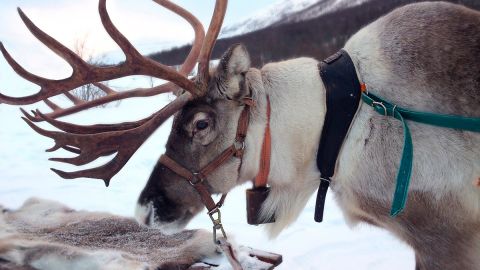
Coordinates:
<point>207,48</point>
<point>123,139</point>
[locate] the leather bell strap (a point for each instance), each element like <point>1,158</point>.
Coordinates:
<point>257,195</point>
<point>265,157</point>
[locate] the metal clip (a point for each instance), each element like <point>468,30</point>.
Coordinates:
<point>380,104</point>
<point>217,224</point>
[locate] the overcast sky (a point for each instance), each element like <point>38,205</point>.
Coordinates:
<point>143,22</point>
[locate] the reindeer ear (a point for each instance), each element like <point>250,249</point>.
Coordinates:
<point>231,70</point>
<point>235,60</point>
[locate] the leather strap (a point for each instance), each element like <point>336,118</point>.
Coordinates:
<point>196,179</point>
<point>264,170</point>
<point>229,253</point>
<point>242,126</point>
<point>219,160</point>
<point>176,168</point>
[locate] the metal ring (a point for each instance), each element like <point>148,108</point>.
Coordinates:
<point>196,176</point>
<point>383,106</point>
<point>393,110</point>
<point>215,210</point>
<point>239,146</point>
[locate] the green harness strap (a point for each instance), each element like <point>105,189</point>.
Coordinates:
<point>388,109</point>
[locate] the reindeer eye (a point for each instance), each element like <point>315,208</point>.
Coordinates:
<point>201,124</point>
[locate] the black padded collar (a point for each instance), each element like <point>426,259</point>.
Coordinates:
<point>343,93</point>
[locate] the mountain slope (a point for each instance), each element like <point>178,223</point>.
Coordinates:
<point>287,11</point>
<point>275,13</point>
<point>317,37</point>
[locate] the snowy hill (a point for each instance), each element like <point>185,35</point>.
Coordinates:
<point>287,11</point>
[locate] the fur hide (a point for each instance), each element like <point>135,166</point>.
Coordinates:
<point>44,234</point>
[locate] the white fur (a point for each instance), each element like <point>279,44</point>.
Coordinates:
<point>294,88</point>
<point>144,215</point>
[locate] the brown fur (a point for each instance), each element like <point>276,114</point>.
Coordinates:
<point>431,43</point>
<point>43,228</point>
<point>429,228</point>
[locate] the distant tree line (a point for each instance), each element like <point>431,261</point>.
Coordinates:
<point>318,37</point>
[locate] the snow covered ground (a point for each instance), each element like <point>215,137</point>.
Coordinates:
<point>305,245</point>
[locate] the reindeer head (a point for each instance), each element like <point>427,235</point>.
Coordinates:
<point>207,110</point>
<point>201,131</point>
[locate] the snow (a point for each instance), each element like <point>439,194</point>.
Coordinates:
<point>283,11</point>
<point>304,245</point>
<point>265,17</point>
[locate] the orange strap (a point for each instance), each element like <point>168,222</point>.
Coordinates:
<point>262,176</point>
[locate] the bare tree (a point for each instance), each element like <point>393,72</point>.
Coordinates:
<point>88,92</point>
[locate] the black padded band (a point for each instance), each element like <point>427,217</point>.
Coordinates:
<point>343,93</point>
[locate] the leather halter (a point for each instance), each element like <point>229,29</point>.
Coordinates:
<point>197,179</point>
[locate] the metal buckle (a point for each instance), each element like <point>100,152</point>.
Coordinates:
<point>217,224</point>
<point>380,104</point>
<point>239,146</point>
<point>197,178</point>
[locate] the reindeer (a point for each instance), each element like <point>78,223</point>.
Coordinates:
<point>421,56</point>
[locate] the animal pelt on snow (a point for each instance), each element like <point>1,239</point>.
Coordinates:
<point>44,234</point>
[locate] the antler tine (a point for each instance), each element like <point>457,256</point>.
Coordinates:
<point>91,146</point>
<point>112,95</point>
<point>121,140</point>
<point>20,71</point>
<point>197,26</point>
<point>210,39</point>
<point>134,58</point>
<point>92,129</point>
<point>72,58</point>
<point>130,52</point>
<point>84,73</point>
<point>51,104</point>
